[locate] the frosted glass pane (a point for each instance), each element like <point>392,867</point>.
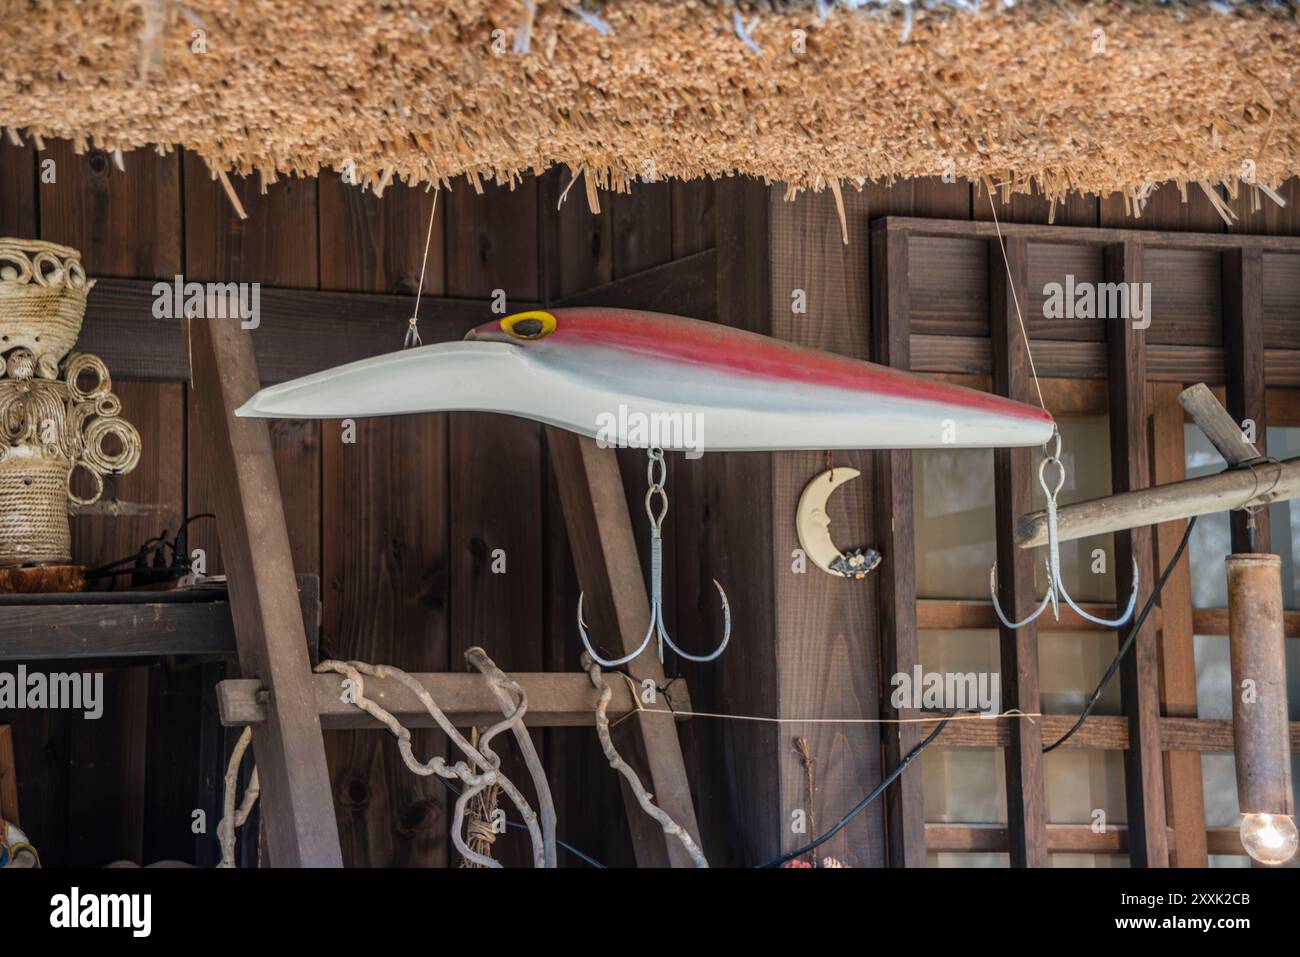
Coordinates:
<point>955,536</point>
<point>955,532</point>
<point>1081,782</point>
<point>961,785</point>
<point>1070,663</point>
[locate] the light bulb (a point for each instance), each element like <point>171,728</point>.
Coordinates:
<point>1269,838</point>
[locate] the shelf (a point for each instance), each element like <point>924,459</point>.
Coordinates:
<point>131,624</point>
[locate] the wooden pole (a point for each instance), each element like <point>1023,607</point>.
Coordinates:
<point>1257,485</point>
<point>1012,471</point>
<point>617,610</point>
<point>1259,700</point>
<point>899,653</point>
<point>297,799</point>
<point>1139,672</point>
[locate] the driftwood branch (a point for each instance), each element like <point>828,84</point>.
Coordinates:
<point>232,819</point>
<point>671,827</point>
<point>513,699</point>
<point>484,758</point>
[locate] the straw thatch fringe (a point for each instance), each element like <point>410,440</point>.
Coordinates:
<point>1057,97</point>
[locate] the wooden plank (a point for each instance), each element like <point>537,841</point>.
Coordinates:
<point>1065,838</point>
<point>578,252</point>
<point>384,239</point>
<point>125,222</point>
<point>8,777</point>
<point>1079,209</point>
<point>1084,236</point>
<point>268,621</point>
<point>345,326</point>
<point>495,549</point>
<point>693,216</point>
<point>383,526</point>
<point>19,170</point>
<point>386,817</point>
<point>1139,674</point>
<point>965,614</point>
<point>554,701</point>
<point>683,287</point>
<point>722,504</point>
<point>577,255</point>
<point>148,626</point>
<point>642,227</point>
<point>1086,360</point>
<point>993,838</point>
<point>1013,470</point>
<point>1098,733</point>
<point>1184,792</point>
<point>899,652</point>
<point>1243,337</point>
<point>604,551</point>
<point>825,626</point>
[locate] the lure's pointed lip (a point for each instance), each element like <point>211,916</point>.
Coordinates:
<point>460,370</point>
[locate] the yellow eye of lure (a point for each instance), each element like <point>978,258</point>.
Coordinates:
<point>528,326</point>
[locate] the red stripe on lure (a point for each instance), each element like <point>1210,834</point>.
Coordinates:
<point>707,344</point>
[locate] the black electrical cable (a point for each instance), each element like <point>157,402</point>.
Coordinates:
<point>861,806</point>
<point>1128,642</point>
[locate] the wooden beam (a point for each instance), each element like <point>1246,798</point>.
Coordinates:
<point>1065,838</point>
<point>297,800</point>
<point>120,326</point>
<point>891,310</point>
<point>299,330</point>
<point>1071,359</point>
<point>1243,361</point>
<point>104,625</point>
<point>955,614</point>
<point>1184,791</point>
<point>1058,838</point>
<point>1098,733</point>
<point>1139,673</point>
<point>682,287</point>
<point>617,609</point>
<point>1013,470</point>
<point>554,701</point>
<point>8,777</point>
<point>1085,235</point>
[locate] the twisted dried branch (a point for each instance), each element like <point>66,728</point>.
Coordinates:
<point>671,827</point>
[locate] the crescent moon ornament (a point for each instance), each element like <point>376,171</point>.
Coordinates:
<point>813,526</point>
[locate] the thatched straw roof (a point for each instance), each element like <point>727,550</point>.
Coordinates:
<point>430,92</point>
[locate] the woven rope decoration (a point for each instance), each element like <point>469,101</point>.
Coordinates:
<point>58,412</point>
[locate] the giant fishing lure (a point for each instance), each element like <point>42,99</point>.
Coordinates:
<point>646,380</point>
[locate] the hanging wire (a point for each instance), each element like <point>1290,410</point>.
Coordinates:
<point>412,328</point>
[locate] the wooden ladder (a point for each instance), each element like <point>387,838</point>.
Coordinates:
<point>297,806</point>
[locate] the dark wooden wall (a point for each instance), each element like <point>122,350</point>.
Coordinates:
<point>402,525</point>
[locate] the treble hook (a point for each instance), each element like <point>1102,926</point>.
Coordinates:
<point>1056,590</point>
<point>657,476</point>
